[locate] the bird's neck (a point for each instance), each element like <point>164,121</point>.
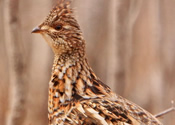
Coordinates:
<point>71,67</point>
<point>68,60</point>
<point>70,78</point>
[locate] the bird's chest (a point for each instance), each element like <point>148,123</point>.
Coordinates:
<point>63,102</point>
<point>58,105</point>
<point>62,111</point>
<point>60,89</point>
<point>59,96</point>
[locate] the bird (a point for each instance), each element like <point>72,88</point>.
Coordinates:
<point>76,95</point>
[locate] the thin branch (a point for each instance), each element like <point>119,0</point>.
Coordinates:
<point>166,111</point>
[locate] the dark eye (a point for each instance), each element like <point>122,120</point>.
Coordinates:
<point>59,27</point>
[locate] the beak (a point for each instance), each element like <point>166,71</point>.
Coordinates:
<point>37,30</point>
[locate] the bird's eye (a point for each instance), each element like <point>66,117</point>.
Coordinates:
<point>59,27</point>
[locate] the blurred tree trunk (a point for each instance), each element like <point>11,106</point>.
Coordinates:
<point>3,70</point>
<point>15,53</point>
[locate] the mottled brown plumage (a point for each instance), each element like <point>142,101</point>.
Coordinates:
<point>76,94</point>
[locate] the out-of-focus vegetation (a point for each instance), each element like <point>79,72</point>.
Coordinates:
<point>130,46</point>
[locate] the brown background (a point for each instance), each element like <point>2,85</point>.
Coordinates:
<point>130,46</point>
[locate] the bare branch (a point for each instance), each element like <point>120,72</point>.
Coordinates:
<point>166,111</point>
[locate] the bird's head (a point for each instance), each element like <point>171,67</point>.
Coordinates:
<point>61,31</point>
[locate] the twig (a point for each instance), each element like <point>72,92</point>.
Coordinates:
<point>166,111</point>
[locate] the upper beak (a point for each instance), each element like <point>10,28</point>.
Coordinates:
<point>37,30</point>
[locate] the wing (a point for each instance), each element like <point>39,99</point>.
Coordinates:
<point>106,112</point>
<point>103,112</point>
<point>107,108</point>
<point>97,112</point>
